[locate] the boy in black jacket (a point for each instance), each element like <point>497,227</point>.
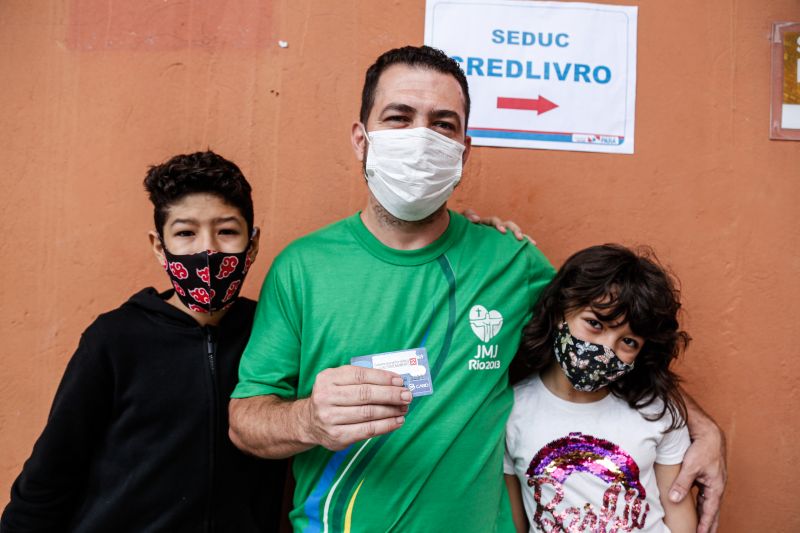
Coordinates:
<point>137,437</point>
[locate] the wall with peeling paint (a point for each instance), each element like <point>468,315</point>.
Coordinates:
<point>95,90</point>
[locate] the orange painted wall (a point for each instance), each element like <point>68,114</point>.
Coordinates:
<point>93,91</point>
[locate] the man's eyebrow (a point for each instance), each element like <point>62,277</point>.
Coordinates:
<point>446,113</point>
<point>398,107</point>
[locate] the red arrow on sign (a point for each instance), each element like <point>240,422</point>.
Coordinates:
<point>540,105</point>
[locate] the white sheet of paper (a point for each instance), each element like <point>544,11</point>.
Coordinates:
<point>552,75</point>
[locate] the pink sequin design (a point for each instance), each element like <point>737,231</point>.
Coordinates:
<point>584,453</point>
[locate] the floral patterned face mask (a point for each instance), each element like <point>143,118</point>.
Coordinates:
<point>209,281</point>
<point>588,366</point>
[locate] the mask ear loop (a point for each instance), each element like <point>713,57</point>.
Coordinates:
<point>366,151</point>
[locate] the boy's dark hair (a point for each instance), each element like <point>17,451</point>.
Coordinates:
<point>200,172</point>
<point>414,56</point>
<point>618,284</point>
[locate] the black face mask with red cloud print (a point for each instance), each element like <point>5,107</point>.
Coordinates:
<point>207,282</point>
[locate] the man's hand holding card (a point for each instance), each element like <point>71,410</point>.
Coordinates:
<point>353,403</point>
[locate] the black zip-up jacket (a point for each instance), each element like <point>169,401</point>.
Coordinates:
<point>137,438</point>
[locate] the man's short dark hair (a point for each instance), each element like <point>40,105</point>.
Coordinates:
<point>200,172</point>
<point>414,56</point>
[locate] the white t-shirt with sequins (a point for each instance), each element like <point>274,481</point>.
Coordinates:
<point>588,466</point>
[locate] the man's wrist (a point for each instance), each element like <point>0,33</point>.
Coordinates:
<point>702,426</point>
<point>700,423</point>
<point>301,422</point>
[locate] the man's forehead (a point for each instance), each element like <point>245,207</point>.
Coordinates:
<point>419,84</point>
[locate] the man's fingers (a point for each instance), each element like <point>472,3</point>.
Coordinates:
<point>345,395</point>
<point>357,414</point>
<point>499,224</point>
<point>353,375</point>
<point>368,430</point>
<point>503,226</point>
<point>471,215</point>
<point>516,230</point>
<point>707,523</point>
<point>714,525</point>
<point>347,435</point>
<point>708,504</point>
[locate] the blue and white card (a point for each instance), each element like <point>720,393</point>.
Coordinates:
<point>411,364</point>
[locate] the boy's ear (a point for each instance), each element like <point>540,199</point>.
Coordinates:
<point>254,244</point>
<point>158,248</point>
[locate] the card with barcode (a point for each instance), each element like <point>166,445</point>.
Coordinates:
<point>411,364</point>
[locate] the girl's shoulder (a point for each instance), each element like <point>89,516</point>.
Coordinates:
<point>530,394</point>
<point>671,444</point>
<point>656,413</point>
<point>529,386</point>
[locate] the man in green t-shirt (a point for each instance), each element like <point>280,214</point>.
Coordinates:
<point>410,280</point>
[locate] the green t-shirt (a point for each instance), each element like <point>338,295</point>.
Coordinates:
<point>340,293</point>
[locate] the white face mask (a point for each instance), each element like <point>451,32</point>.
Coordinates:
<point>412,171</point>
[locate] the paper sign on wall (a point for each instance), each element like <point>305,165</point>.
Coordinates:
<point>558,76</point>
<point>785,109</point>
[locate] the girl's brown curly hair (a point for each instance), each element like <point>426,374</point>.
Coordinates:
<point>618,284</point>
